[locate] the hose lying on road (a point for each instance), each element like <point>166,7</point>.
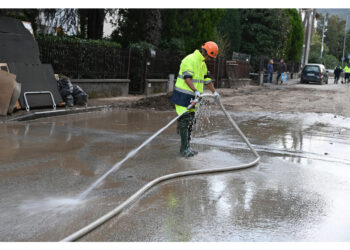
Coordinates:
<point>131,199</point>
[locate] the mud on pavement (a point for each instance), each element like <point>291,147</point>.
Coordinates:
<point>290,98</point>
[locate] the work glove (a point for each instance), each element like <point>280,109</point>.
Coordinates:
<point>197,94</point>
<point>217,96</point>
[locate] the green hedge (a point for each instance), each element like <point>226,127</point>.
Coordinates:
<point>81,58</point>
<point>75,40</point>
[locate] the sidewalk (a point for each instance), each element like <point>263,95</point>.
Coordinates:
<point>94,104</point>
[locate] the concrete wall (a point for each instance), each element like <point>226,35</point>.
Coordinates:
<point>97,88</point>
<point>156,86</point>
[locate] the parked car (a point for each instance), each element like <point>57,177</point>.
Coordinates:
<point>314,73</point>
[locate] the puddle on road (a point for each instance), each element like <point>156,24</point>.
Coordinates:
<point>299,185</point>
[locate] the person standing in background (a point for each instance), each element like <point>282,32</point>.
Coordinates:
<point>337,72</point>
<point>282,68</point>
<point>269,71</point>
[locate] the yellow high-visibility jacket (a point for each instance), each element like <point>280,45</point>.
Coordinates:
<point>192,66</point>
<point>346,69</point>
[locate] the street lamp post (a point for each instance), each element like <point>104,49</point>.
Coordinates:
<point>343,58</point>
<point>325,22</point>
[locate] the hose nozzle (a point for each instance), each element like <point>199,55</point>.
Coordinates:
<point>193,102</point>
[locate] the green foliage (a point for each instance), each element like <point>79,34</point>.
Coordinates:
<point>75,40</point>
<point>347,47</point>
<point>229,28</point>
<point>176,45</point>
<point>334,35</point>
<point>264,32</point>
<point>137,25</point>
<point>295,36</point>
<point>330,61</point>
<point>192,26</point>
<point>315,49</point>
<point>224,44</point>
<point>80,58</point>
<point>141,45</point>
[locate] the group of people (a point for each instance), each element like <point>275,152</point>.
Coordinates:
<point>281,72</point>
<point>337,72</point>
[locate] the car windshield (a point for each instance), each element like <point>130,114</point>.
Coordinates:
<point>312,68</point>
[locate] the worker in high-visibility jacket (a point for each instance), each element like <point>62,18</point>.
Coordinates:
<point>193,75</point>
<point>347,72</point>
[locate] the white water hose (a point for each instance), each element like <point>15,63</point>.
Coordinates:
<point>80,233</point>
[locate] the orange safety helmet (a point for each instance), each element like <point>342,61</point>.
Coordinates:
<point>211,48</point>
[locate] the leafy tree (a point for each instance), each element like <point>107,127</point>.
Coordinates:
<point>315,49</point>
<point>264,32</point>
<point>191,26</point>
<point>229,27</point>
<point>179,29</point>
<point>347,47</point>
<point>295,36</point>
<point>90,21</point>
<point>334,38</point>
<point>224,44</point>
<point>137,25</point>
<point>329,60</point>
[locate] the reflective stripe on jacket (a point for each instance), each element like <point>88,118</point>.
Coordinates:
<point>192,66</point>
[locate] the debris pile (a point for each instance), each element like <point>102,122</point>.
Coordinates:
<point>10,90</point>
<point>70,93</point>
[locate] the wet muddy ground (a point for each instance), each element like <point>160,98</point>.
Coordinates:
<point>299,191</point>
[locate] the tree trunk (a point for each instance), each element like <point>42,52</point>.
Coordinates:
<point>96,19</point>
<point>83,22</point>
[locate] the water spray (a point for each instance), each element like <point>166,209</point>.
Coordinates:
<point>80,233</point>
<point>134,152</point>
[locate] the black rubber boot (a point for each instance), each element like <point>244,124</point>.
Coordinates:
<point>190,128</point>
<point>183,126</point>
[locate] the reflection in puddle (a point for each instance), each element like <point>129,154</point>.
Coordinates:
<point>298,191</point>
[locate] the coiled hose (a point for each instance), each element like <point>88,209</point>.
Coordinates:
<point>80,233</point>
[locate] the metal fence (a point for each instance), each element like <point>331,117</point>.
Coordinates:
<point>88,61</point>
<point>143,67</point>
<point>104,62</point>
<point>261,62</point>
<point>241,57</point>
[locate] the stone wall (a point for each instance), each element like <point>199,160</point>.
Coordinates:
<point>156,86</point>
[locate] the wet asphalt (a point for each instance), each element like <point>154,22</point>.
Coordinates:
<point>298,192</point>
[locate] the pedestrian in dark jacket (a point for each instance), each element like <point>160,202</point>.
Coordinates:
<point>337,72</point>
<point>282,68</point>
<point>269,71</point>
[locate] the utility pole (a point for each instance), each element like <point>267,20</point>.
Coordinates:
<point>343,58</point>
<point>325,22</point>
<point>308,41</point>
<point>304,14</point>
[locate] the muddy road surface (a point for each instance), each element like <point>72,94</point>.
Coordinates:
<point>298,192</point>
